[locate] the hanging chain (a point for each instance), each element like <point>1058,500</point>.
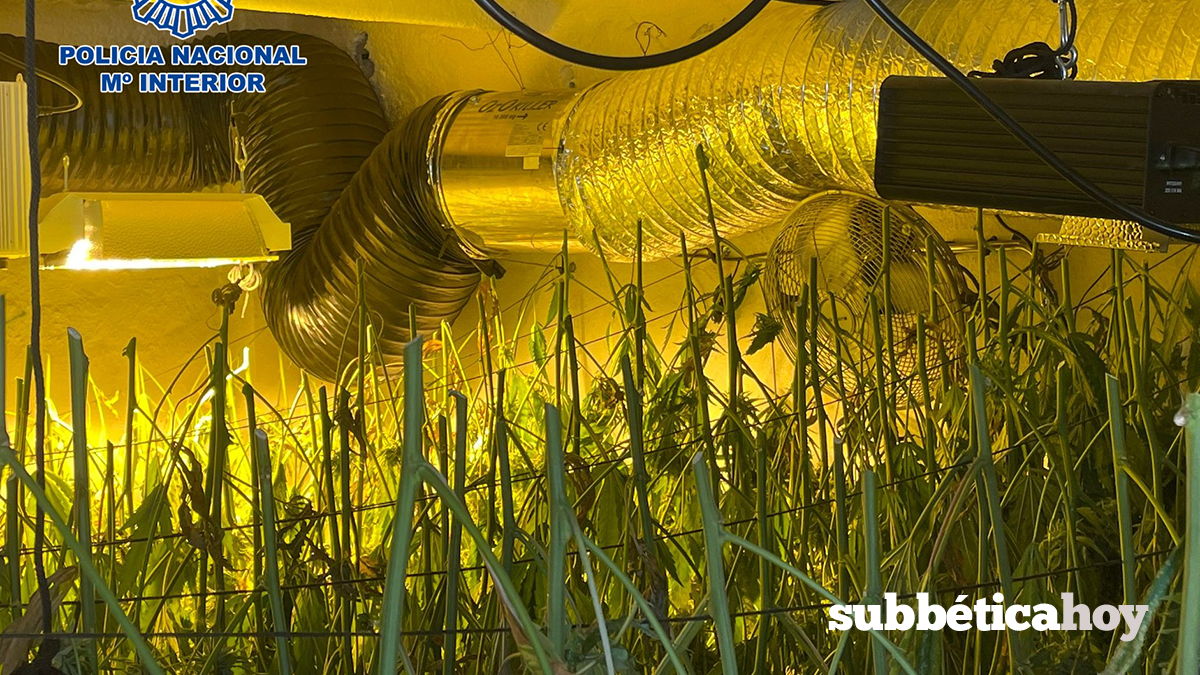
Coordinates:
<point>1067,55</point>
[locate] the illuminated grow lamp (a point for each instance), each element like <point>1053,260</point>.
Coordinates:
<point>116,230</point>
<point>125,230</point>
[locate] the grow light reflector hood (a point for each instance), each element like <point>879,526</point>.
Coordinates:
<point>113,230</point>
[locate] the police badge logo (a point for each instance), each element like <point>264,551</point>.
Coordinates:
<point>182,18</point>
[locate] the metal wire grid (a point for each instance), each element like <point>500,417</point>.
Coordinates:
<point>533,475</point>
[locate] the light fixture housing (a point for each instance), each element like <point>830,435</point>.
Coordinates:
<point>15,179</point>
<point>126,230</point>
<point>1139,141</point>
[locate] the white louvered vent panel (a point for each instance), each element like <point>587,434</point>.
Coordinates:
<point>14,170</point>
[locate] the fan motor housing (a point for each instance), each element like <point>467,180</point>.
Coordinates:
<point>1140,141</point>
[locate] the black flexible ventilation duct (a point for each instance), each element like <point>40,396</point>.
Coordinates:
<point>309,133</point>
<point>388,217</point>
<point>316,147</point>
<point>131,142</point>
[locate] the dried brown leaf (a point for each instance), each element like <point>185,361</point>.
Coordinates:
<point>14,650</point>
<point>523,641</point>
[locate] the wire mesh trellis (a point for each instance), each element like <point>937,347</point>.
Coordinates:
<point>681,439</point>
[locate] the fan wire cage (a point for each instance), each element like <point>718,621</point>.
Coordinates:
<point>844,233</point>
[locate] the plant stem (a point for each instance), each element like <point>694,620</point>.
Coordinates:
<point>560,537</point>
<point>990,482</point>
<point>1189,622</point>
<point>718,599</point>
<point>1116,426</point>
<point>391,620</point>
<point>454,552</point>
<point>12,542</point>
<point>874,558</point>
<point>841,518</point>
<point>765,589</point>
<point>131,405</point>
<point>641,478</point>
<point>701,382</point>
<point>266,501</point>
<point>83,493</point>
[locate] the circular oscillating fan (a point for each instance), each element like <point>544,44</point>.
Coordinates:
<point>844,232</point>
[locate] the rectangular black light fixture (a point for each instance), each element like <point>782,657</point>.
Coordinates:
<point>1140,141</point>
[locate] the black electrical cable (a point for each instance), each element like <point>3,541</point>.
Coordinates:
<point>35,311</point>
<point>606,62</point>
<point>1029,140</point>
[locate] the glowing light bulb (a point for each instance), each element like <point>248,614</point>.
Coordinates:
<point>81,252</point>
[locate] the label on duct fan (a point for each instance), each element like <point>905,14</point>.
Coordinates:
<point>528,120</point>
<point>526,141</point>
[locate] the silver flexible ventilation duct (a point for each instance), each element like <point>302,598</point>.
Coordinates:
<point>785,108</point>
<point>789,106</point>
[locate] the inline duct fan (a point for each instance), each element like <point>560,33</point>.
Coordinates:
<point>844,233</point>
